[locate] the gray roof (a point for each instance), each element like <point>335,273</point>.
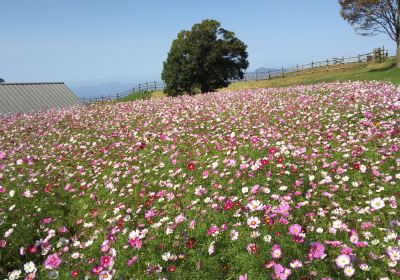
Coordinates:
<point>35,97</point>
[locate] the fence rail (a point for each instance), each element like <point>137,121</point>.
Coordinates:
<point>147,86</point>
<point>377,55</point>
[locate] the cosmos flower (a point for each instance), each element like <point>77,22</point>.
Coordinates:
<point>253,222</point>
<point>342,260</point>
<point>377,203</point>
<point>52,261</point>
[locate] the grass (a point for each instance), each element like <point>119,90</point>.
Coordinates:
<point>144,95</point>
<point>385,71</point>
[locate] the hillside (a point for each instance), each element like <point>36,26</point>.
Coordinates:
<point>386,72</point>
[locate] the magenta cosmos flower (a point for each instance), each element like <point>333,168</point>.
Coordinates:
<point>106,261</point>
<point>52,261</point>
<point>317,251</point>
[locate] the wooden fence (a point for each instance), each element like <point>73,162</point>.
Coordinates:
<point>377,55</point>
<point>147,86</point>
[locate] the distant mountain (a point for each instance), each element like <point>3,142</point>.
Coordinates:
<point>103,89</point>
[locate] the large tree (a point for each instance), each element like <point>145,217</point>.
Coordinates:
<point>204,59</point>
<point>370,17</point>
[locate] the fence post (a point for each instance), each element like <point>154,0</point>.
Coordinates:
<point>155,85</point>
<point>147,86</point>
<point>256,74</point>
<point>283,73</point>
<point>139,86</point>
<point>117,96</point>
<point>102,98</point>
<point>269,75</point>
<point>312,66</point>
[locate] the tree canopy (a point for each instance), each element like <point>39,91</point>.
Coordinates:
<point>370,17</point>
<point>204,59</point>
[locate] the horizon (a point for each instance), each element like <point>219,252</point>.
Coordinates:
<point>95,43</point>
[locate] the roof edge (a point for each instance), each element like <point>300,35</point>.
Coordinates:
<point>36,83</point>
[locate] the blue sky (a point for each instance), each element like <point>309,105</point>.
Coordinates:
<point>87,42</point>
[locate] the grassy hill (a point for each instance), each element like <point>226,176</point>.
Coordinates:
<point>385,71</point>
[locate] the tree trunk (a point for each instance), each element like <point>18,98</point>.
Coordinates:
<point>398,52</point>
<point>398,34</point>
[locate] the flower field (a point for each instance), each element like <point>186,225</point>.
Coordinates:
<point>290,183</point>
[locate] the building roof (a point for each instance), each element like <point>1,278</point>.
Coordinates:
<point>35,97</point>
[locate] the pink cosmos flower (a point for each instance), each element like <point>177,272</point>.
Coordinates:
<point>2,155</point>
<point>276,251</point>
<point>136,243</point>
<point>149,214</point>
<point>97,269</point>
<point>133,260</point>
<point>281,272</point>
<point>192,224</point>
<point>52,261</point>
<point>346,251</point>
<point>243,277</point>
<point>251,248</point>
<point>366,225</point>
<point>3,243</point>
<point>106,261</point>
<point>211,248</point>
<point>317,251</point>
<point>179,219</point>
<point>295,229</point>
<point>283,209</point>
<point>213,230</point>
<point>296,264</point>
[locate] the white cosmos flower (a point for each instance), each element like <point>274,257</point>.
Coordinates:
<point>16,274</point>
<point>165,257</point>
<point>253,222</point>
<point>234,235</point>
<point>255,205</point>
<point>377,203</point>
<point>342,260</point>
<point>267,238</point>
<point>29,267</point>
<point>349,271</point>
